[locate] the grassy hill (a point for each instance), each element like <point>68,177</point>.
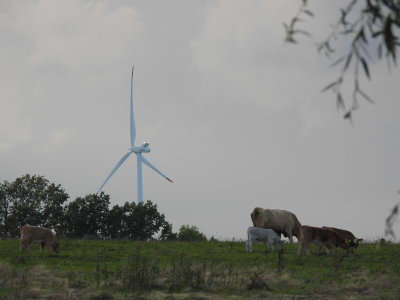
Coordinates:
<point>87,269</point>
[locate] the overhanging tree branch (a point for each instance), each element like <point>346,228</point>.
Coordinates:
<point>360,22</point>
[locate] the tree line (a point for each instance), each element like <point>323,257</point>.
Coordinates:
<point>36,201</point>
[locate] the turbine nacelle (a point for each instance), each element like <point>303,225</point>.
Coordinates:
<point>145,148</point>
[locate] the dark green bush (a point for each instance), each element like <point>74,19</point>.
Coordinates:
<point>191,234</point>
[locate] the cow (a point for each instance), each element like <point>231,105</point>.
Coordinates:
<point>281,221</point>
<point>262,235</point>
<point>34,234</point>
<point>325,236</point>
<point>346,235</point>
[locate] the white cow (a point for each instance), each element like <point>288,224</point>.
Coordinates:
<point>262,235</point>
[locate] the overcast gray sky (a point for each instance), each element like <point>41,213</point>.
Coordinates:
<point>234,116</point>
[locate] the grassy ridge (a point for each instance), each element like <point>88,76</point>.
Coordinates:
<point>175,270</point>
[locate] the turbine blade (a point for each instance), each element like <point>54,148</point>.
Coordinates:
<point>146,162</point>
<point>121,161</point>
<point>132,118</point>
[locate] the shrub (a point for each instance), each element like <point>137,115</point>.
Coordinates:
<point>139,272</point>
<point>191,234</point>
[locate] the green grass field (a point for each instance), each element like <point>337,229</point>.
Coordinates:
<point>98,269</point>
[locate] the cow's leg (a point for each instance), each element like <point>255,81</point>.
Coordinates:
<point>251,242</point>
<point>304,246</point>
<point>327,248</point>
<point>273,242</point>
<point>271,245</point>
<point>22,244</point>
<point>351,250</point>
<point>278,243</point>
<point>307,249</point>
<point>300,249</point>
<point>330,248</point>
<point>249,245</point>
<point>290,236</point>
<point>42,245</point>
<point>319,247</point>
<point>281,245</point>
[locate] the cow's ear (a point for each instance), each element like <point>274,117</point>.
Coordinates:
<point>359,240</point>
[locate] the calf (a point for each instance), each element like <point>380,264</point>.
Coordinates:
<point>262,235</point>
<point>347,235</point>
<point>325,236</point>
<point>34,234</point>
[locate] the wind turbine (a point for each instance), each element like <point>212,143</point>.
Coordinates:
<point>144,148</point>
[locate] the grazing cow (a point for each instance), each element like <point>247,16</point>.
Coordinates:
<point>347,235</point>
<point>262,235</point>
<point>325,236</point>
<point>34,234</point>
<point>281,221</point>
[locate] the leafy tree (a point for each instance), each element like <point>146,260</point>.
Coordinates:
<point>190,233</point>
<point>167,233</point>
<point>361,24</point>
<point>116,223</point>
<point>34,200</point>
<point>87,216</point>
<point>138,222</point>
<point>5,205</point>
<point>30,200</point>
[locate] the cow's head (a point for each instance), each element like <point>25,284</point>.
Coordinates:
<point>56,247</point>
<point>354,242</point>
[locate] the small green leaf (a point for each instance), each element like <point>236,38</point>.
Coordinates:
<point>361,36</point>
<point>328,47</point>
<point>366,96</point>
<point>331,85</point>
<point>347,115</point>
<point>339,101</point>
<point>346,65</point>
<point>308,12</point>
<point>365,66</point>
<point>375,34</point>
<point>338,61</point>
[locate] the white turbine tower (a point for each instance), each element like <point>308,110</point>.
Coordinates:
<point>138,151</point>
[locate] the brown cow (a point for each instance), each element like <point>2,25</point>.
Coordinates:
<point>281,221</point>
<point>347,235</point>
<point>325,236</point>
<point>34,234</point>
